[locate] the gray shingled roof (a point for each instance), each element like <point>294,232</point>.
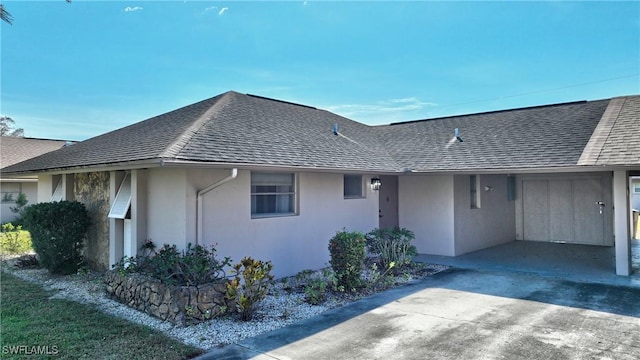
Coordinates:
<point>238,129</point>
<point>230,128</point>
<point>545,136</point>
<point>16,149</point>
<point>616,140</point>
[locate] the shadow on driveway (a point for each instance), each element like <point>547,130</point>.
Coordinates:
<point>464,314</point>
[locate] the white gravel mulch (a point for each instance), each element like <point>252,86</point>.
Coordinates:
<point>280,308</point>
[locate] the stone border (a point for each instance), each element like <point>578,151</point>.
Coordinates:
<point>179,305</point>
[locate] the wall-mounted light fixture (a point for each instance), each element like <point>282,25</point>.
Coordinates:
<point>488,188</point>
<point>375,183</point>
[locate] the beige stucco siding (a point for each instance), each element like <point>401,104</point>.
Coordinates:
<point>426,208</point>
<point>167,207</point>
<point>491,224</point>
<point>292,243</point>
<point>30,189</point>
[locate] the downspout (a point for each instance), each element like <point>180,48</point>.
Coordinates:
<point>234,174</point>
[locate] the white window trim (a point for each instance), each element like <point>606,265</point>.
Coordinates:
<point>122,202</point>
<point>474,180</point>
<point>276,214</point>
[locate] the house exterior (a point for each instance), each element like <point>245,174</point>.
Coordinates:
<point>12,151</point>
<point>275,180</point>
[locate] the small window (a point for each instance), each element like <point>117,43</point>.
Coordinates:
<point>273,194</point>
<point>353,188</point>
<point>57,191</point>
<point>122,202</point>
<point>10,192</point>
<point>636,187</point>
<point>474,185</point>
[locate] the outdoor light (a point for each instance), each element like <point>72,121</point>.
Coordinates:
<point>375,184</point>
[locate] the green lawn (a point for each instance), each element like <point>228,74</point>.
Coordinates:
<point>69,330</point>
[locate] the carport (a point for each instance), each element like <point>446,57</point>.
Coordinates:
<point>583,263</point>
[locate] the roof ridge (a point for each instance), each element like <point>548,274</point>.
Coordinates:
<point>593,149</point>
<point>495,111</point>
<point>183,139</point>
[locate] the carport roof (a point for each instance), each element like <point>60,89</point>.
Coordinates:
<point>247,130</point>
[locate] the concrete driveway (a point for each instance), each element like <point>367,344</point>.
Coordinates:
<point>465,314</point>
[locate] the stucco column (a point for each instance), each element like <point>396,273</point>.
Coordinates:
<point>621,222</point>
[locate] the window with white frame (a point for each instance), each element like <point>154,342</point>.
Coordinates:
<point>636,187</point>
<point>353,187</point>
<point>10,192</point>
<point>273,194</point>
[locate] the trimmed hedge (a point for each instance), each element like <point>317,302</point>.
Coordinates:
<point>57,233</point>
<point>347,251</point>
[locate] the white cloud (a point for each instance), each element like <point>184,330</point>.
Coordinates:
<point>132,8</point>
<point>305,3</point>
<point>385,106</point>
<point>210,8</point>
<point>223,10</point>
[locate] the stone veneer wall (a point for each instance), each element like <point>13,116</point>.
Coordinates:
<point>177,304</point>
<point>92,189</point>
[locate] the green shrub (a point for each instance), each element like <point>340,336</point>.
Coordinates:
<point>392,245</point>
<point>14,240</point>
<point>316,291</point>
<point>194,266</point>
<point>347,250</point>
<point>249,286</point>
<point>57,233</point>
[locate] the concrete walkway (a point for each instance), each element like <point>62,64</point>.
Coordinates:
<point>465,314</point>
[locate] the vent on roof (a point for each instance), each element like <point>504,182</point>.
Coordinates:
<point>335,129</point>
<point>281,101</point>
<point>123,199</point>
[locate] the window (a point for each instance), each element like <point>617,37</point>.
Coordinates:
<point>474,185</point>
<point>57,191</point>
<point>120,207</point>
<point>10,192</point>
<point>636,187</point>
<point>353,188</point>
<point>273,194</point>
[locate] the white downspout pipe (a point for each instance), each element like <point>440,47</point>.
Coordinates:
<point>199,215</point>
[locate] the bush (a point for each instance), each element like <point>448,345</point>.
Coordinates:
<point>57,233</point>
<point>14,240</point>
<point>316,291</point>
<point>197,265</point>
<point>250,285</point>
<point>392,245</point>
<point>347,250</point>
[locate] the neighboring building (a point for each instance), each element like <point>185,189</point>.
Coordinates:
<point>275,180</point>
<point>14,150</point>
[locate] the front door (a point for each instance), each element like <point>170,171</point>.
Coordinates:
<point>388,208</point>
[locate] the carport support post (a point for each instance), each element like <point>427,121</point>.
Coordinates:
<point>621,223</point>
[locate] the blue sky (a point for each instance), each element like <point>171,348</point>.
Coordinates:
<point>76,70</point>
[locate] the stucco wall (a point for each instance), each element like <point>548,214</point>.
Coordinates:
<point>292,243</point>
<point>30,189</point>
<point>92,189</point>
<point>166,207</point>
<point>492,224</point>
<point>425,206</point>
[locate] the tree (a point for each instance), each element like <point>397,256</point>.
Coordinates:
<point>7,127</point>
<point>5,15</point>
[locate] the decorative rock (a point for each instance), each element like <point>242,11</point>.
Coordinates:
<point>177,304</point>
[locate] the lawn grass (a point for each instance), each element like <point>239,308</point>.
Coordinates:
<point>15,242</point>
<point>28,317</point>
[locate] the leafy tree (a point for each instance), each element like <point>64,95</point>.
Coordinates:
<point>7,127</point>
<point>5,15</point>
